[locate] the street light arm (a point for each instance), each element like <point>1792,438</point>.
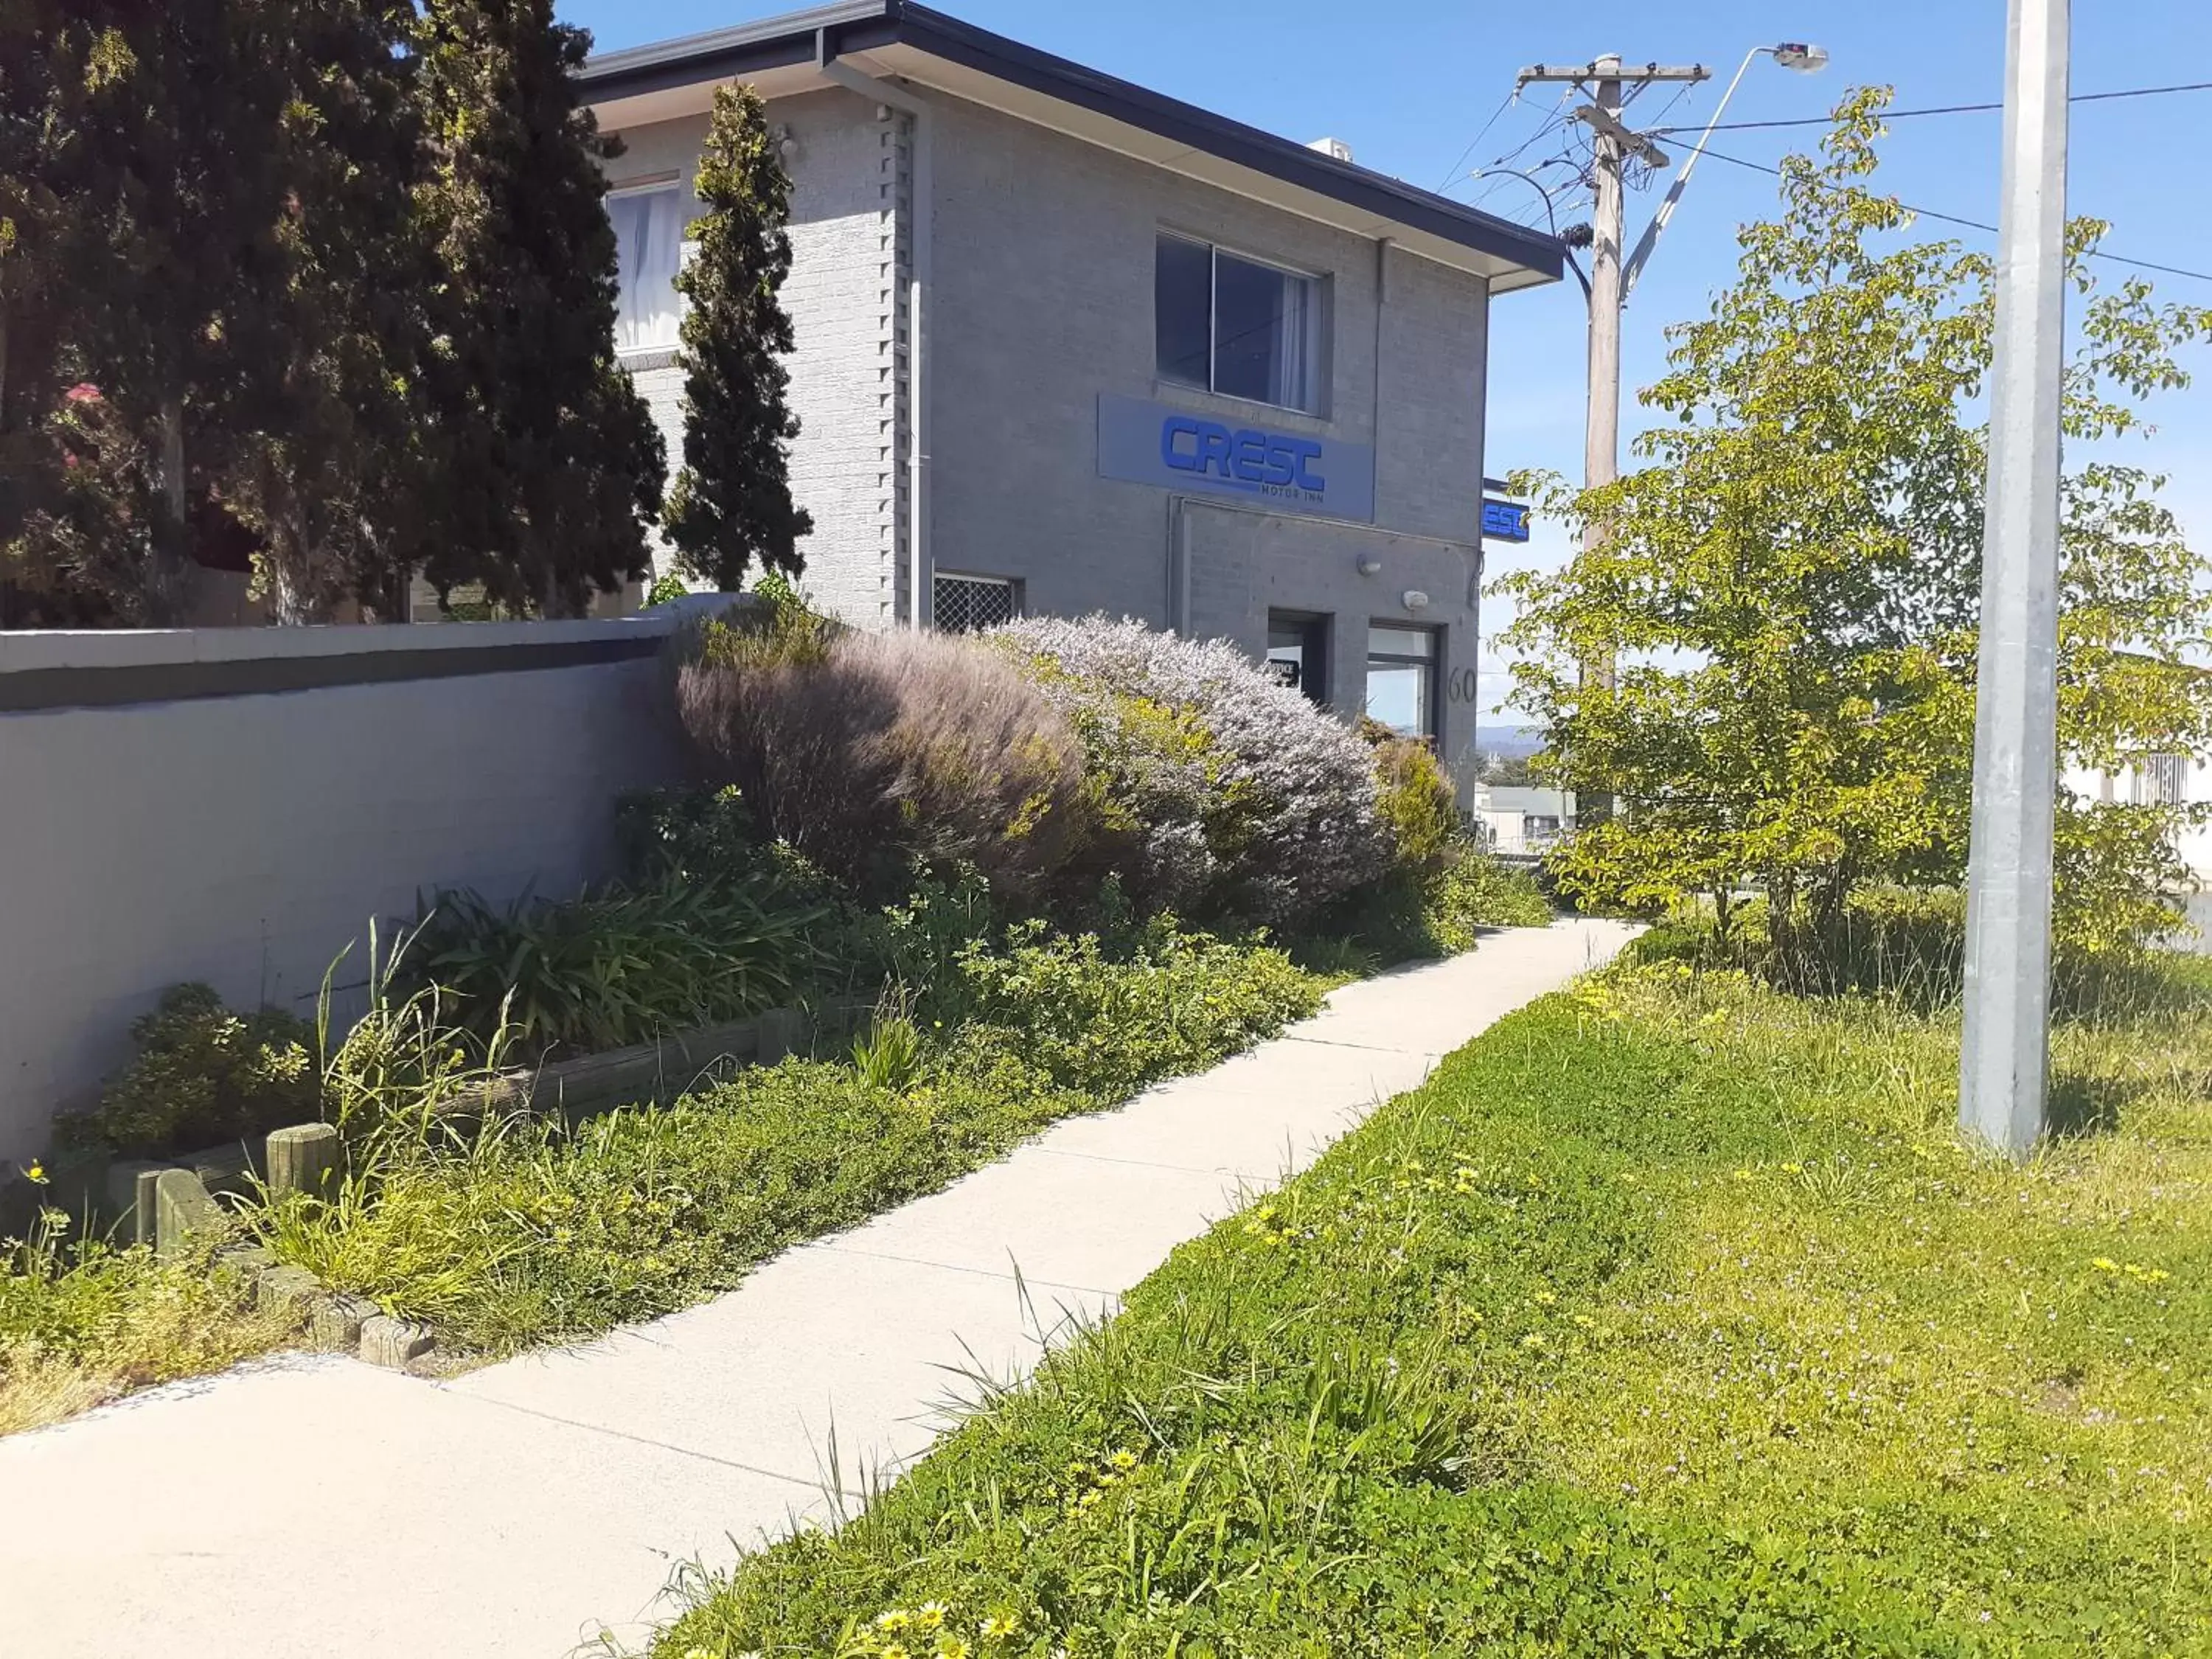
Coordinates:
<point>1650,240</point>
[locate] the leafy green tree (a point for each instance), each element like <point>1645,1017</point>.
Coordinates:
<point>732,502</point>
<point>215,289</point>
<point>1504,771</point>
<point>549,464</point>
<point>1794,581</point>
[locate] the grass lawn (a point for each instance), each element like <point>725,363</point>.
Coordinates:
<point>1669,1318</point>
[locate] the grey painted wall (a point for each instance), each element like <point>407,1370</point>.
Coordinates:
<point>246,840</point>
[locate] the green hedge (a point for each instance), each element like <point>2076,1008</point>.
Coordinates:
<point>1669,1318</point>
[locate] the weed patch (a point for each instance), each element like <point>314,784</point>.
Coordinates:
<point>81,1323</point>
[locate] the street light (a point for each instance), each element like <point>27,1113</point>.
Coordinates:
<point>1798,55</point>
<point>1801,56</point>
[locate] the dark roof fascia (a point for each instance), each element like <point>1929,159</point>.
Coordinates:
<point>828,32</point>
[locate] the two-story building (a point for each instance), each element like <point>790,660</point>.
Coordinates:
<point>1064,345</point>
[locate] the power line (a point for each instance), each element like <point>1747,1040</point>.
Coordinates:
<point>1452,174</point>
<point>1942,109</point>
<point>1497,177</point>
<point>1971,224</point>
<point>1681,93</point>
<point>1558,117</point>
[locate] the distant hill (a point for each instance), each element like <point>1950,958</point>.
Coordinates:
<point>1510,741</point>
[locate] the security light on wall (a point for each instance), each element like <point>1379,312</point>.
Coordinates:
<point>1370,565</point>
<point>1415,599</point>
<point>787,142</point>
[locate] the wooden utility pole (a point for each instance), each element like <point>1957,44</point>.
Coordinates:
<point>1608,84</point>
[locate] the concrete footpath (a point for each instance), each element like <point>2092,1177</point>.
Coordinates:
<point>313,1505</point>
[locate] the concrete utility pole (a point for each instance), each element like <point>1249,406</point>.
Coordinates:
<point>1602,430</point>
<point>2006,1055</point>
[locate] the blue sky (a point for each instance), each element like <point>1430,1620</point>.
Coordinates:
<point>1408,83</point>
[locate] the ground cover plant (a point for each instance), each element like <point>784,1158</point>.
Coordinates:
<point>1670,1317</point>
<point>81,1321</point>
<point>505,1232</point>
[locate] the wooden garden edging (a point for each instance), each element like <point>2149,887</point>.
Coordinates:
<point>165,1203</point>
<point>645,1072</point>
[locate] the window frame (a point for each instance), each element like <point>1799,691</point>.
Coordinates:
<point>1318,347</point>
<point>651,184</point>
<point>1432,663</point>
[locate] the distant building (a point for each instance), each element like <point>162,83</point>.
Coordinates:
<point>2157,781</point>
<point>1518,819</point>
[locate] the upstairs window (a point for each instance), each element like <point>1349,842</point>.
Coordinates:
<point>648,222</point>
<point>1232,325</point>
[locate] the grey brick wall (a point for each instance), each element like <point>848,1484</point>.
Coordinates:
<point>848,180</point>
<point>1245,564</point>
<point>1043,299</point>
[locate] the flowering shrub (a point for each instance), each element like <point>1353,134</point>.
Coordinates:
<point>1415,800</point>
<point>1224,793</point>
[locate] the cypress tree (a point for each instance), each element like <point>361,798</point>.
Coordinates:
<point>549,464</point>
<point>83,537</point>
<point>328,475</point>
<point>732,502</point>
<point>182,343</point>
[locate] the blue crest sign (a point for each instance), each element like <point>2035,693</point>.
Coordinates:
<point>1504,521</point>
<point>1149,443</point>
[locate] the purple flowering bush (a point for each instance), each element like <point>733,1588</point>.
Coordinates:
<point>1220,792</point>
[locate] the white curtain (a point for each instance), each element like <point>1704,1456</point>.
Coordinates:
<point>1294,352</point>
<point>649,234</point>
